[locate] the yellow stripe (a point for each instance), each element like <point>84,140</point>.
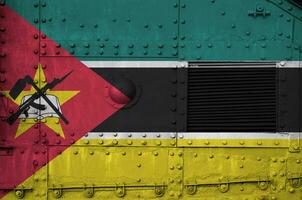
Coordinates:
<point>263,168</point>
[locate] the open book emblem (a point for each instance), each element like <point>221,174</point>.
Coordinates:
<point>36,113</point>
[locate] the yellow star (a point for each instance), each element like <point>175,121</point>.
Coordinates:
<point>52,122</point>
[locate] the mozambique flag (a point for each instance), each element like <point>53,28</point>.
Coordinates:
<point>150,99</point>
<point>73,100</point>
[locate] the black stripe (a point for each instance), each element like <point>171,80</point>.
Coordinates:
<point>206,99</point>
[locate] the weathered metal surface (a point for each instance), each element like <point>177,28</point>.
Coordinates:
<point>168,30</point>
<point>149,164</point>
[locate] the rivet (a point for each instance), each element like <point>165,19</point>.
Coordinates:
<point>160,46</point>
<point>241,166</point>
<point>107,153</point>
<point>259,142</point>
<point>277,143</point>
<point>227,157</point>
<point>124,153</point>
<point>91,152</point>
<point>171,167</point>
<point>155,153</point>
<point>158,143</point>
<point>171,154</point>
<point>207,142</point>
<point>180,154</point>
<point>211,156</point>
<point>242,158</point>
<point>139,165</point>
<point>291,190</point>
<point>140,153</point>
<point>36,36</point>
<point>242,142</point>
<point>190,142</point>
<point>282,160</point>
<point>129,142</point>
<point>224,142</point>
<point>298,161</point>
<point>281,174</point>
<point>195,155</point>
<point>258,158</point>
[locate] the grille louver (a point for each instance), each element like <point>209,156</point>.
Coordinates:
<point>231,99</point>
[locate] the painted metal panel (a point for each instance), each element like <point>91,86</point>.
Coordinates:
<point>103,28</point>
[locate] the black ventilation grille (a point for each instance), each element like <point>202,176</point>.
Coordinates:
<point>231,99</point>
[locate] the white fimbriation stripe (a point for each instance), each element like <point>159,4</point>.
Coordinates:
<point>185,64</point>
<point>243,135</point>
<point>289,64</point>
<point>135,64</point>
<point>130,135</point>
<point>187,135</point>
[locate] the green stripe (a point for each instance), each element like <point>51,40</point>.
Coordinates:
<point>170,29</point>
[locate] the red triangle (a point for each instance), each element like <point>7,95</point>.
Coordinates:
<point>28,153</point>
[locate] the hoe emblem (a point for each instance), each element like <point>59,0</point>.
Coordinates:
<point>38,105</point>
